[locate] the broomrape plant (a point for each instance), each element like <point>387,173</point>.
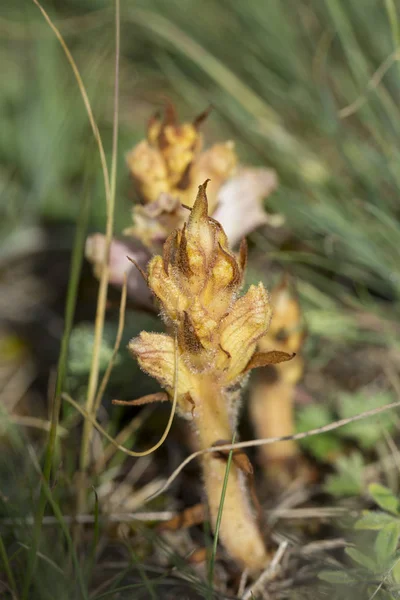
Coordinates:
<point>197,282</point>
<point>165,169</point>
<point>272,390</point>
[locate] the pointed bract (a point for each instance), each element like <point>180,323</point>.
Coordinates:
<point>247,322</point>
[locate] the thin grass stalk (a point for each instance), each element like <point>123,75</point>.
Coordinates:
<point>7,568</point>
<point>96,537</point>
<point>237,445</point>
<point>103,287</point>
<point>260,442</point>
<point>219,517</point>
<point>117,344</point>
<point>84,95</point>
<point>32,558</point>
<point>147,583</point>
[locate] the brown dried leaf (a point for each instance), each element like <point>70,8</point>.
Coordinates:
<point>262,359</point>
<point>157,397</point>
<point>198,556</point>
<point>239,457</point>
<point>194,515</point>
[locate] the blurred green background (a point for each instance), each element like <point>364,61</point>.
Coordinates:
<point>308,87</point>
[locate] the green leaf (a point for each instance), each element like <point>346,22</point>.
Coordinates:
<point>337,577</point>
<point>384,498</point>
<point>386,543</point>
<point>348,481</point>
<point>369,431</point>
<point>324,446</point>
<point>395,571</point>
<point>362,559</point>
<point>374,520</point>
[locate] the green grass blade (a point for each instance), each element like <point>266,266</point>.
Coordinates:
<point>96,537</point>
<point>147,583</point>
<point>7,567</point>
<point>76,265</point>
<point>219,518</point>
<point>72,553</point>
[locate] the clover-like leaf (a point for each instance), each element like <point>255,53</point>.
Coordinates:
<point>362,559</point>
<point>384,498</point>
<point>337,577</point>
<point>374,520</point>
<point>386,543</point>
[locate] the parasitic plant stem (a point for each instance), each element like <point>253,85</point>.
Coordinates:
<point>273,389</point>
<point>239,530</point>
<point>197,282</point>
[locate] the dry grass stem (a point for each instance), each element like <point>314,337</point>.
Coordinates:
<point>122,436</point>
<point>269,573</point>
<point>35,422</point>
<point>117,344</point>
<point>373,83</point>
<point>255,443</point>
<point>103,288</point>
<point>86,519</point>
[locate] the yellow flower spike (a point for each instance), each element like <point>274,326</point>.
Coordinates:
<point>148,170</point>
<point>197,281</point>
<point>166,169</point>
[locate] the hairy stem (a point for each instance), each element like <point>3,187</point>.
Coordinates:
<point>239,530</point>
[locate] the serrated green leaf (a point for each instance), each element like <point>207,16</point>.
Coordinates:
<point>374,520</point>
<point>337,577</point>
<point>386,543</point>
<point>362,559</point>
<point>348,481</point>
<point>384,498</point>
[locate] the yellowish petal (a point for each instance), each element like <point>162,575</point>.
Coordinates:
<point>173,301</point>
<point>201,234</point>
<point>248,321</point>
<point>155,353</point>
<point>148,171</point>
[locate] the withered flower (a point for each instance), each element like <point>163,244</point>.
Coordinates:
<point>197,281</point>
<point>166,169</point>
